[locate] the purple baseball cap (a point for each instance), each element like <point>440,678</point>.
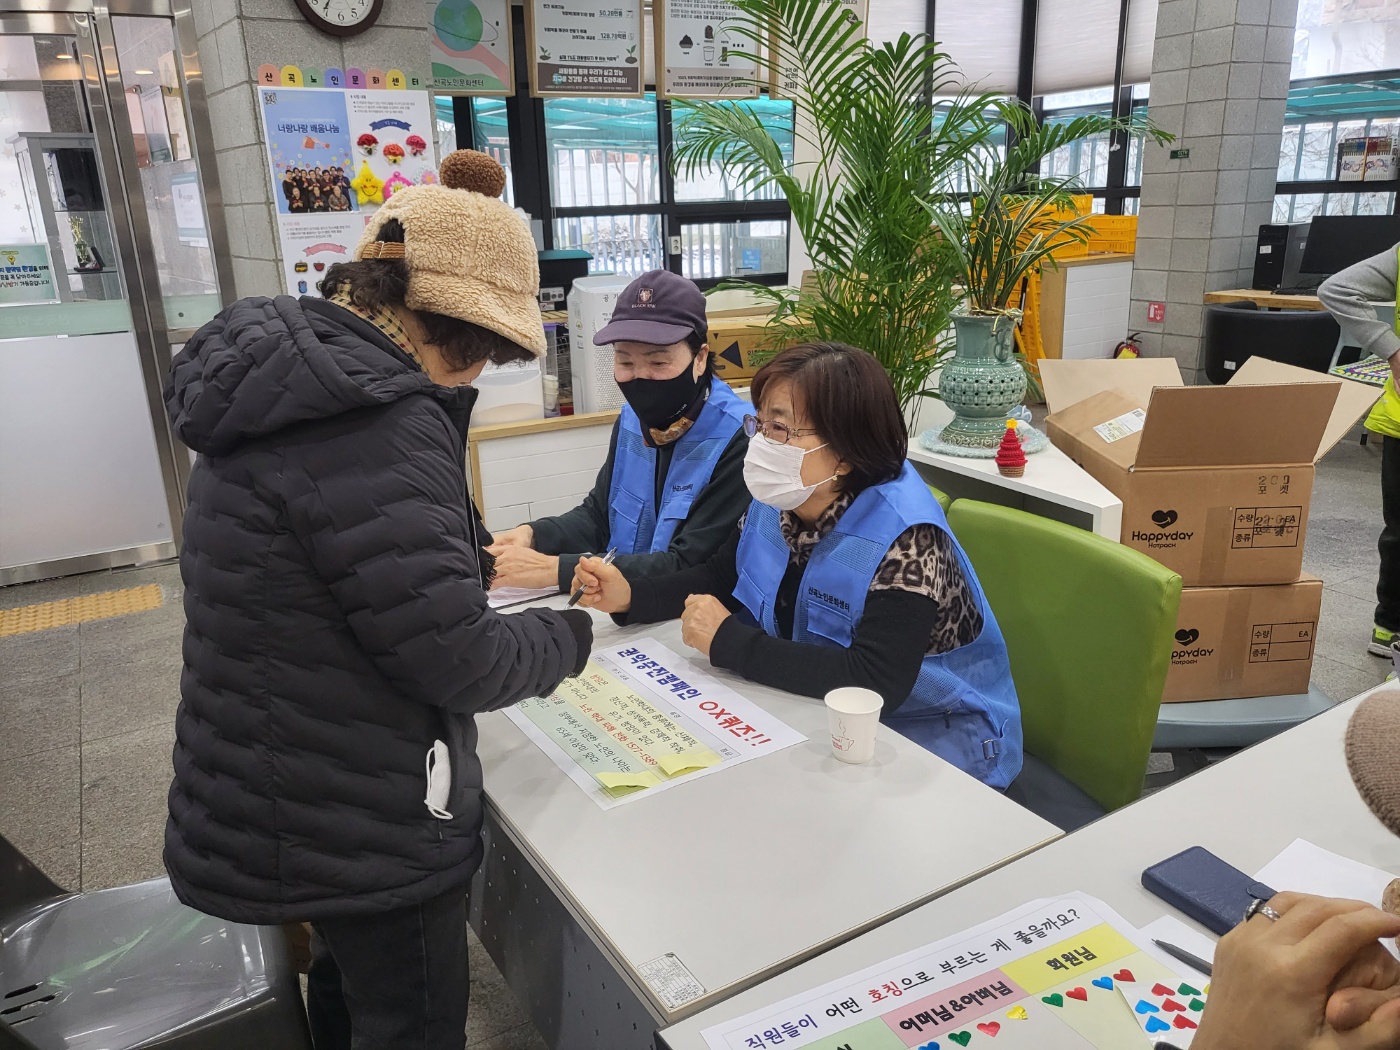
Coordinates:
<point>659,308</point>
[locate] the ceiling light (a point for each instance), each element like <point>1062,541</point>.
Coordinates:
<point>63,58</point>
<point>145,72</point>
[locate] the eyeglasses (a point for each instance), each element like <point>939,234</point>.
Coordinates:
<point>778,433</point>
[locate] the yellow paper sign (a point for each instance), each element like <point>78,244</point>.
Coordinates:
<point>626,783</point>
<point>678,765</point>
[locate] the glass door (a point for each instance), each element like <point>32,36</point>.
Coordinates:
<point>107,262</point>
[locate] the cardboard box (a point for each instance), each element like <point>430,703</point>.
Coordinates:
<point>1216,481</point>
<point>1244,641</point>
<point>741,343</point>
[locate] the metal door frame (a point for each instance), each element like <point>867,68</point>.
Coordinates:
<point>90,23</point>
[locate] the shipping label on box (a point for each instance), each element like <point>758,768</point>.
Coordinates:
<point>1235,642</point>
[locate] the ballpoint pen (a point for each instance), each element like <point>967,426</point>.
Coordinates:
<point>1182,955</point>
<point>607,560</point>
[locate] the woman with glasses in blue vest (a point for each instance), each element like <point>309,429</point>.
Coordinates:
<point>843,571</point>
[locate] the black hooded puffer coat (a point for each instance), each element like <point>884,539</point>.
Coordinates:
<point>336,622</point>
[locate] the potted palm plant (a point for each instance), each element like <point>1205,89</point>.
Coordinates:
<point>1002,224</point>
<point>883,276</point>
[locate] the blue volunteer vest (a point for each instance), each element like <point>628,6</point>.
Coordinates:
<point>635,524</point>
<point>963,707</point>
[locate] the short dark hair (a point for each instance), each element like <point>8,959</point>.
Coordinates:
<point>847,397</point>
<point>380,284</point>
<point>696,341</point>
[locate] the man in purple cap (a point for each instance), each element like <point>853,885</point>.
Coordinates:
<point>672,489</point>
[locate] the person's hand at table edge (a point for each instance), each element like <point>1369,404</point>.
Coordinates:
<point>1281,984</point>
<point>520,536</point>
<point>701,621</point>
<point>523,567</point>
<point>603,585</point>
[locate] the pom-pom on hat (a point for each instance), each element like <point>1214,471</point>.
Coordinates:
<point>469,255</point>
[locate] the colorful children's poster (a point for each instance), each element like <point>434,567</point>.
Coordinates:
<point>391,135</point>
<point>308,143</point>
<point>699,54</point>
<point>471,47</point>
<point>1060,974</point>
<point>641,719</point>
<point>579,47</point>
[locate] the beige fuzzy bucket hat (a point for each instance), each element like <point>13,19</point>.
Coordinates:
<point>1373,754</point>
<point>469,254</point>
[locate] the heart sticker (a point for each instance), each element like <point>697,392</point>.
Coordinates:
<point>1196,1005</point>
<point>1018,1013</point>
<point>1161,989</point>
<point>990,1028</point>
<point>1144,1007</point>
<point>1182,1021</point>
<point>1171,1005</point>
<point>1155,1024</point>
<point>1054,1000</point>
<point>961,1038</point>
<point>1106,983</point>
<point>1186,989</point>
<point>1124,975</point>
<point>1078,993</point>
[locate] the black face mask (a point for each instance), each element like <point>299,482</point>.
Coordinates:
<point>660,402</point>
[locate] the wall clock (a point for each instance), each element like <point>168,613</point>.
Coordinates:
<point>341,17</point>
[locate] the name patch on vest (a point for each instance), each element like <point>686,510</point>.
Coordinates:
<point>828,599</point>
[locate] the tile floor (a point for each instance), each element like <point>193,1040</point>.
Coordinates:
<point>87,713</point>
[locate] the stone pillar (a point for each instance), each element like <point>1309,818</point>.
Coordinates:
<point>1220,72</point>
<point>235,38</point>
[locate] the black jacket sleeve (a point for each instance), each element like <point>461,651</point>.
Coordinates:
<point>713,516</point>
<point>583,530</point>
<point>658,598</point>
<point>400,562</point>
<point>885,654</point>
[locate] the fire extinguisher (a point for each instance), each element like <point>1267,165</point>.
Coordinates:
<point>1129,348</point>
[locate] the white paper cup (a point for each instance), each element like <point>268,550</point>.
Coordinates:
<point>853,715</point>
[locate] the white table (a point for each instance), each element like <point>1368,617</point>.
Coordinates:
<point>741,874</point>
<point>1245,810</point>
<point>1054,486</point>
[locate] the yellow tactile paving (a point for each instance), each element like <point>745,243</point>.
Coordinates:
<point>41,617</point>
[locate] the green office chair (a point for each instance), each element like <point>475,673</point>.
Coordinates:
<point>1089,625</point>
<point>944,500</point>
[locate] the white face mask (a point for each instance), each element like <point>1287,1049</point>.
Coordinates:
<point>773,473</point>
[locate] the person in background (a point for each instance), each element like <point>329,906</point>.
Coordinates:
<point>1350,297</point>
<point>336,201</point>
<point>843,572</point>
<point>338,639</point>
<point>318,202</point>
<point>672,486</point>
<point>1317,977</point>
<point>297,204</point>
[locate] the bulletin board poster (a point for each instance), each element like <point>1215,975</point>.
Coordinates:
<point>471,49</point>
<point>700,54</point>
<point>26,275</point>
<point>585,47</point>
<point>1057,974</point>
<point>335,156</point>
<point>308,143</point>
<point>783,78</point>
<point>641,719</point>
<point>311,243</point>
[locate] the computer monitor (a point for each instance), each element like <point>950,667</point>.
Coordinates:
<point>1338,241</point>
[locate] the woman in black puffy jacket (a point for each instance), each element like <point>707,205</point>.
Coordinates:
<point>338,640</point>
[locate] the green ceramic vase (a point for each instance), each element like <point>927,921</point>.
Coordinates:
<point>983,382</point>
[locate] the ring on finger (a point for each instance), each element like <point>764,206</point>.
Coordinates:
<point>1259,907</point>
